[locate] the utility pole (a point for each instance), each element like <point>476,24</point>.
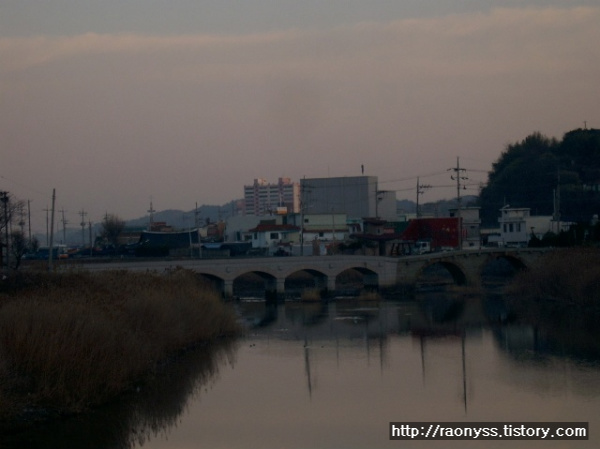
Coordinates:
<point>4,199</point>
<point>22,219</point>
<point>64,223</point>
<point>29,219</point>
<point>377,200</point>
<point>47,224</point>
<point>91,243</point>
<point>82,214</point>
<point>557,201</point>
<point>458,178</point>
<point>51,232</point>
<point>302,207</point>
<point>420,192</point>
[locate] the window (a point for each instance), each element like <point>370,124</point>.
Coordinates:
<point>510,227</point>
<point>274,236</point>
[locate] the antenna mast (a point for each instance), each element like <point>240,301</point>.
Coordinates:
<point>151,212</point>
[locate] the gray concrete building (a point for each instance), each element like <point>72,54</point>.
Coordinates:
<point>355,196</point>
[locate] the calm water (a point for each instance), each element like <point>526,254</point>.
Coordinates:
<point>334,376</point>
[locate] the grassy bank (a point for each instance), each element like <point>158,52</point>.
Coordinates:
<point>567,278</point>
<point>560,298</point>
<point>72,341</point>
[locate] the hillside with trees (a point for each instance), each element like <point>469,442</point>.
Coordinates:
<point>547,176</point>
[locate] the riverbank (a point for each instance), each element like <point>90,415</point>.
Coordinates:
<point>567,278</point>
<point>560,298</point>
<point>70,342</point>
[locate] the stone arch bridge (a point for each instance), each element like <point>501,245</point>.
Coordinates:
<point>465,267</point>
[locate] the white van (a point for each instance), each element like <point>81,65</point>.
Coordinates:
<point>422,247</point>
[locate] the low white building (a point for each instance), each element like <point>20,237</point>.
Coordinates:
<point>329,227</point>
<point>237,227</point>
<point>517,226</point>
<point>513,225</point>
<point>273,239</point>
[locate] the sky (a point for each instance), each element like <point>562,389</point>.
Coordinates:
<point>118,103</point>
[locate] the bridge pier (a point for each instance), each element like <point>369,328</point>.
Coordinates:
<point>228,289</point>
<point>331,285</point>
<point>275,289</point>
<point>371,281</point>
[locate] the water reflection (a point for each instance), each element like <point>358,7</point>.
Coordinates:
<point>334,374</point>
<point>155,407</point>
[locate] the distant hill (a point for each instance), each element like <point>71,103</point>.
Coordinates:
<point>184,219</point>
<point>180,219</point>
<point>436,209</point>
<point>406,206</point>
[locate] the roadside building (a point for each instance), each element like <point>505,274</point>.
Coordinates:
<point>270,238</point>
<point>328,227</point>
<point>513,225</point>
<point>441,233</point>
<point>237,227</point>
<point>470,227</point>
<point>355,196</point>
<point>376,237</point>
<point>517,225</point>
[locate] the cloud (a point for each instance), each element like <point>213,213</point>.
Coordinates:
<point>208,113</point>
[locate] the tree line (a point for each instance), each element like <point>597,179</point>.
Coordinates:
<point>549,176</point>
<point>15,241</point>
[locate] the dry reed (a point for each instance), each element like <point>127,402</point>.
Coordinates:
<point>71,341</point>
<point>569,276</point>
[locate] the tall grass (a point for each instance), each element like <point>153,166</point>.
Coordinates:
<point>569,277</point>
<point>71,341</point>
<point>560,297</point>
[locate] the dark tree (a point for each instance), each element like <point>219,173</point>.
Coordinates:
<point>536,171</point>
<point>18,246</point>
<point>112,227</point>
<point>523,176</point>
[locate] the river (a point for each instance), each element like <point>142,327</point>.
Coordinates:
<point>335,374</point>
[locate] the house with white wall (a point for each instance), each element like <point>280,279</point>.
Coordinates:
<point>329,227</point>
<point>517,225</point>
<point>271,238</point>
<point>513,225</point>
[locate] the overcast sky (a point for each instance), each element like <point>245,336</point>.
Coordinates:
<point>114,103</point>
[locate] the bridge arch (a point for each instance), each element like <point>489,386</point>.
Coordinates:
<point>451,268</point>
<point>499,267</point>
<point>354,278</point>
<point>255,283</point>
<point>214,281</point>
<point>305,278</point>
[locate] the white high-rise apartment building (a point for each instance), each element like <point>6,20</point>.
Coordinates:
<point>263,198</point>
